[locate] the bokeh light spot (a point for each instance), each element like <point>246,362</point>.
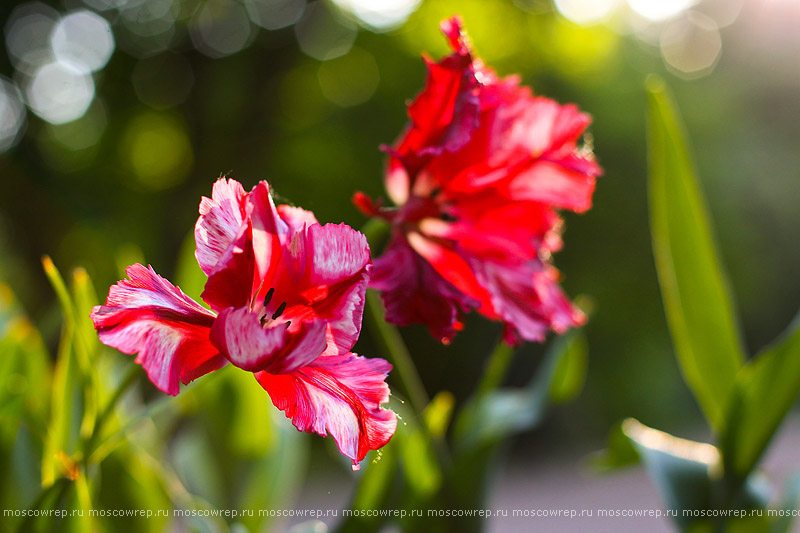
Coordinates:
<point>349,80</point>
<point>656,10</point>
<point>28,32</point>
<point>104,5</point>
<point>587,11</point>
<point>12,115</point>
<point>146,27</point>
<point>220,28</point>
<point>275,14</point>
<point>724,12</point>
<point>59,93</point>
<point>691,45</point>
<point>380,15</point>
<point>84,40</point>
<point>157,151</point>
<point>322,34</point>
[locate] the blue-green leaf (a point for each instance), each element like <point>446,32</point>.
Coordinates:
<point>697,300</point>
<point>788,508</point>
<point>689,476</point>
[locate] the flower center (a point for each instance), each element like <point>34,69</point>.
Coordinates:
<point>265,319</point>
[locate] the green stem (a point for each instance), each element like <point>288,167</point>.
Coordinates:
<point>375,230</point>
<point>386,334</point>
<point>130,378</point>
<point>396,351</point>
<point>496,368</point>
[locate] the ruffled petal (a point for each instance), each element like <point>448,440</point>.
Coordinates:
<point>146,314</point>
<point>295,217</point>
<point>337,395</point>
<point>527,299</point>
<point>413,292</point>
<point>323,276</point>
<point>231,285</point>
<point>269,231</point>
<point>253,255</point>
<point>551,183</point>
<point>277,348</point>
<point>443,116</point>
<point>221,218</point>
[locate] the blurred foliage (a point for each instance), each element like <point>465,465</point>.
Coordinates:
<point>122,184</point>
<point>86,422</point>
<point>706,487</point>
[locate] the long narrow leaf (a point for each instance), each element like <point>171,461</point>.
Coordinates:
<point>765,391</point>
<point>696,297</point>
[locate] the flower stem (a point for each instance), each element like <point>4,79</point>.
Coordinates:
<point>130,378</point>
<point>396,351</point>
<point>386,334</point>
<point>496,368</point>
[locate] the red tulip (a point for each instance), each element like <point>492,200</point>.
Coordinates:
<point>478,177</point>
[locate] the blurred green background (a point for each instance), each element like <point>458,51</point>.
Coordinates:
<point>117,115</point>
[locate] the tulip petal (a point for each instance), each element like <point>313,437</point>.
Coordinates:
<point>269,231</point>
<point>328,269</point>
<point>146,314</point>
<point>221,217</point>
<point>413,292</point>
<point>551,183</point>
<point>295,217</point>
<point>337,395</point>
<point>276,348</point>
<point>527,299</point>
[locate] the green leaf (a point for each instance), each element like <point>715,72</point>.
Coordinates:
<point>489,418</point>
<point>276,477</point>
<point>65,411</point>
<point>72,400</point>
<point>619,453</point>
<point>765,391</point>
<point>570,373</point>
<point>420,464</point>
<point>437,414</point>
<point>25,369</point>
<point>697,299</point>
<point>373,487</point>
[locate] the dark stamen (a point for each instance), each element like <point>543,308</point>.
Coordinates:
<point>279,311</point>
<point>436,192</point>
<point>447,217</point>
<point>268,297</point>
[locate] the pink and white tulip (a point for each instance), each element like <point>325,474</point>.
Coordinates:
<point>286,297</point>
